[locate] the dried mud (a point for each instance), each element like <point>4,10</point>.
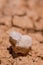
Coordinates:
<point>26,17</point>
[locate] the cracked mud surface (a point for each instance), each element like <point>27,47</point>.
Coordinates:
<point>25,17</point>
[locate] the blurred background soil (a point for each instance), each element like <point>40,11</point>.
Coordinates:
<point>26,17</point>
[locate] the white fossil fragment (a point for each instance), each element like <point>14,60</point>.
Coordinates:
<point>20,43</point>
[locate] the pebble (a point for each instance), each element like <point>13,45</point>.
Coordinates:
<point>20,43</point>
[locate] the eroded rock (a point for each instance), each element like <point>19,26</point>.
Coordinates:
<point>20,43</point>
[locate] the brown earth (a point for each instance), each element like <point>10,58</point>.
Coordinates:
<point>26,17</point>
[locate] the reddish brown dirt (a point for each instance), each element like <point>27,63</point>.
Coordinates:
<point>26,17</point>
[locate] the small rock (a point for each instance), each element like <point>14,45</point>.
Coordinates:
<point>20,43</point>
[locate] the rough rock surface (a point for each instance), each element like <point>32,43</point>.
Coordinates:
<point>26,17</point>
<point>20,43</point>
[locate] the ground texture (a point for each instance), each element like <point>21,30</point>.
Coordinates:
<point>26,17</point>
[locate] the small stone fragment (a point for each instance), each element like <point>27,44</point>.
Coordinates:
<point>20,43</point>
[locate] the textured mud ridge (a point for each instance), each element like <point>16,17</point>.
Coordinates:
<point>26,17</point>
